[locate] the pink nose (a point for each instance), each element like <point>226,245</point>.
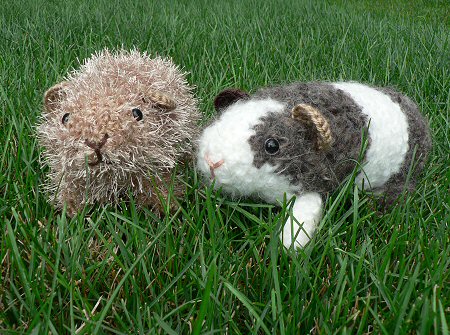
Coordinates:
<point>212,165</point>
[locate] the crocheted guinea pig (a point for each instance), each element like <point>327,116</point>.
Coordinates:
<point>304,139</point>
<point>116,126</point>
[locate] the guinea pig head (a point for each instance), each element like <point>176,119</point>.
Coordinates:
<point>106,127</point>
<point>119,114</point>
<point>254,144</point>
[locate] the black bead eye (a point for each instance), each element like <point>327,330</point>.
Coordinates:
<point>65,118</point>
<point>137,114</point>
<point>271,146</point>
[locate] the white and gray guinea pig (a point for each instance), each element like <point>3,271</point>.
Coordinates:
<point>304,139</point>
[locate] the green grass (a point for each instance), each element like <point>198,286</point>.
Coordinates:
<point>217,265</point>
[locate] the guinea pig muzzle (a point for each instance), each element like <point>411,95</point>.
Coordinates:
<point>96,147</point>
<point>212,165</point>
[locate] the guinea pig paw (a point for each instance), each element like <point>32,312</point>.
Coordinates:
<point>306,215</point>
<point>294,236</point>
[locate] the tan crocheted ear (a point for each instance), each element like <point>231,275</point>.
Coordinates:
<point>313,118</point>
<point>162,100</point>
<point>53,96</point>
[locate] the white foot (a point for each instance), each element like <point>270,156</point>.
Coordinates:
<point>306,215</point>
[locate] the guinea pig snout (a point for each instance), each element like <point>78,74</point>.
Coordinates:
<point>96,146</point>
<point>213,165</point>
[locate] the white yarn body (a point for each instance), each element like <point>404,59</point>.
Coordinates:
<point>388,132</point>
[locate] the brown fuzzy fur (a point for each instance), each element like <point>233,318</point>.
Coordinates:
<point>103,152</point>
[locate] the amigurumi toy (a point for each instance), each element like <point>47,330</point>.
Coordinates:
<point>117,126</point>
<point>304,139</point>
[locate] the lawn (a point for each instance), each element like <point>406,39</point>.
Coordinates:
<point>217,266</point>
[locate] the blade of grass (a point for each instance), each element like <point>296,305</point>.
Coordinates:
<point>248,305</point>
<point>206,299</point>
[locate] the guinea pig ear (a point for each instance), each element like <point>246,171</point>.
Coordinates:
<point>53,96</point>
<point>228,97</point>
<point>161,100</point>
<point>315,120</point>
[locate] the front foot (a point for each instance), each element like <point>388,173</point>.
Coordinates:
<point>306,215</point>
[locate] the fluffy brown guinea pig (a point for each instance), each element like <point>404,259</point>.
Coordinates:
<point>117,126</point>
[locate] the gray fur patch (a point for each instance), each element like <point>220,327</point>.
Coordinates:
<point>313,170</point>
<point>419,140</point>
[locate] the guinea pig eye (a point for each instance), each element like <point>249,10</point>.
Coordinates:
<point>65,118</point>
<point>271,146</point>
<point>137,114</point>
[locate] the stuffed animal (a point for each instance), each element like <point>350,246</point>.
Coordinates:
<point>117,126</point>
<point>304,139</point>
